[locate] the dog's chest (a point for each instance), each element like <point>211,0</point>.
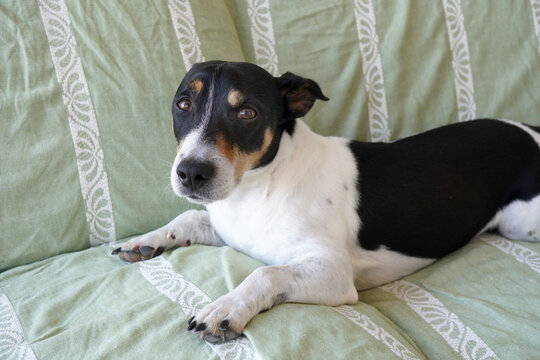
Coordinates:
<point>250,226</point>
<point>303,202</point>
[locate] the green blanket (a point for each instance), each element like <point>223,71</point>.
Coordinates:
<point>479,303</point>
<point>85,99</point>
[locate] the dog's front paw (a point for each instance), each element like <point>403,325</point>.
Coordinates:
<point>143,247</point>
<point>220,321</point>
<point>134,253</point>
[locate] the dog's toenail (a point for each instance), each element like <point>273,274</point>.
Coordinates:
<point>201,327</point>
<point>213,339</point>
<point>191,326</point>
<point>230,335</point>
<point>224,325</point>
<point>146,251</point>
<point>159,251</point>
<point>191,319</point>
<point>116,251</point>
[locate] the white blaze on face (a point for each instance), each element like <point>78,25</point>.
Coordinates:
<point>229,161</point>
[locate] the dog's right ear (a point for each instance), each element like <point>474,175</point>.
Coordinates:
<point>299,94</point>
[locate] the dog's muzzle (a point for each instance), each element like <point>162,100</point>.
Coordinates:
<point>201,173</point>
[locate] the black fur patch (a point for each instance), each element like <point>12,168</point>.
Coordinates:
<point>429,194</point>
<point>270,97</point>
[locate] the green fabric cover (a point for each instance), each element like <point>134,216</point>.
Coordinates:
<point>85,98</point>
<point>92,305</point>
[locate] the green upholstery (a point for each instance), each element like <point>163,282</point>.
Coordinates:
<point>85,98</point>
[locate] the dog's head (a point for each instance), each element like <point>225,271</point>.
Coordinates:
<point>228,118</point>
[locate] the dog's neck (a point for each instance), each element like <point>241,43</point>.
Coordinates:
<point>297,155</point>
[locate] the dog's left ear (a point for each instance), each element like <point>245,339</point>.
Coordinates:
<point>299,94</point>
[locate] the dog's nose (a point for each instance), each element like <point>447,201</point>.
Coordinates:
<point>193,174</point>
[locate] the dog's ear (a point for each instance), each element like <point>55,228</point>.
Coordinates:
<point>299,94</point>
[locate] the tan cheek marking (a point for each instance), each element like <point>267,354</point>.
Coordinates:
<point>196,86</point>
<point>245,162</point>
<point>241,161</point>
<point>234,98</point>
<point>225,148</point>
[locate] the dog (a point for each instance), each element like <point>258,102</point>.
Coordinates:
<point>330,216</point>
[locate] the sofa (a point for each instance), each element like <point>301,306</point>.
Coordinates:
<point>86,149</point>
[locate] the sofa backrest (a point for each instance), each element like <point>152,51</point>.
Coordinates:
<point>86,90</point>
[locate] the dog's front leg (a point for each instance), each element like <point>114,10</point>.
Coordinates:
<point>315,280</point>
<point>190,227</point>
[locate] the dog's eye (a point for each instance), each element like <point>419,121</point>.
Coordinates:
<point>247,114</point>
<point>184,105</point>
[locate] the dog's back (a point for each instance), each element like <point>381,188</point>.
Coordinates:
<point>429,194</point>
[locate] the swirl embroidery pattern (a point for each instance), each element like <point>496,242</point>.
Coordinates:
<point>262,34</point>
<point>12,343</point>
<point>377,332</point>
<point>461,63</point>
<point>460,337</point>
<point>372,69</point>
<point>160,273</point>
<point>82,120</point>
<point>535,7</point>
<point>184,27</point>
<point>520,253</point>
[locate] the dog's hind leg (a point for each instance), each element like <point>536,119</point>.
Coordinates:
<point>520,220</point>
<point>190,227</point>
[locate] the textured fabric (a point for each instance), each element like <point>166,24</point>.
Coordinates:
<point>105,73</point>
<point>40,195</point>
<point>92,303</point>
<point>478,303</point>
<point>85,98</point>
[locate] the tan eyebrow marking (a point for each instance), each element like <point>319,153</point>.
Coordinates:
<point>196,86</point>
<point>235,98</point>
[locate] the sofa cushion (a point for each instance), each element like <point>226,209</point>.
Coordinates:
<point>87,121</point>
<point>88,87</point>
<point>93,305</point>
<point>480,302</point>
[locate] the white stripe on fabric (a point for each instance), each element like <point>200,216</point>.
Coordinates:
<point>535,7</point>
<point>184,27</point>
<point>519,252</point>
<point>376,331</point>
<point>12,343</point>
<point>82,121</point>
<point>160,273</point>
<point>461,63</point>
<point>372,69</point>
<point>447,324</point>
<point>262,35</point>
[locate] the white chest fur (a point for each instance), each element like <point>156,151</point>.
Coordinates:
<point>303,204</point>
<point>304,201</point>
